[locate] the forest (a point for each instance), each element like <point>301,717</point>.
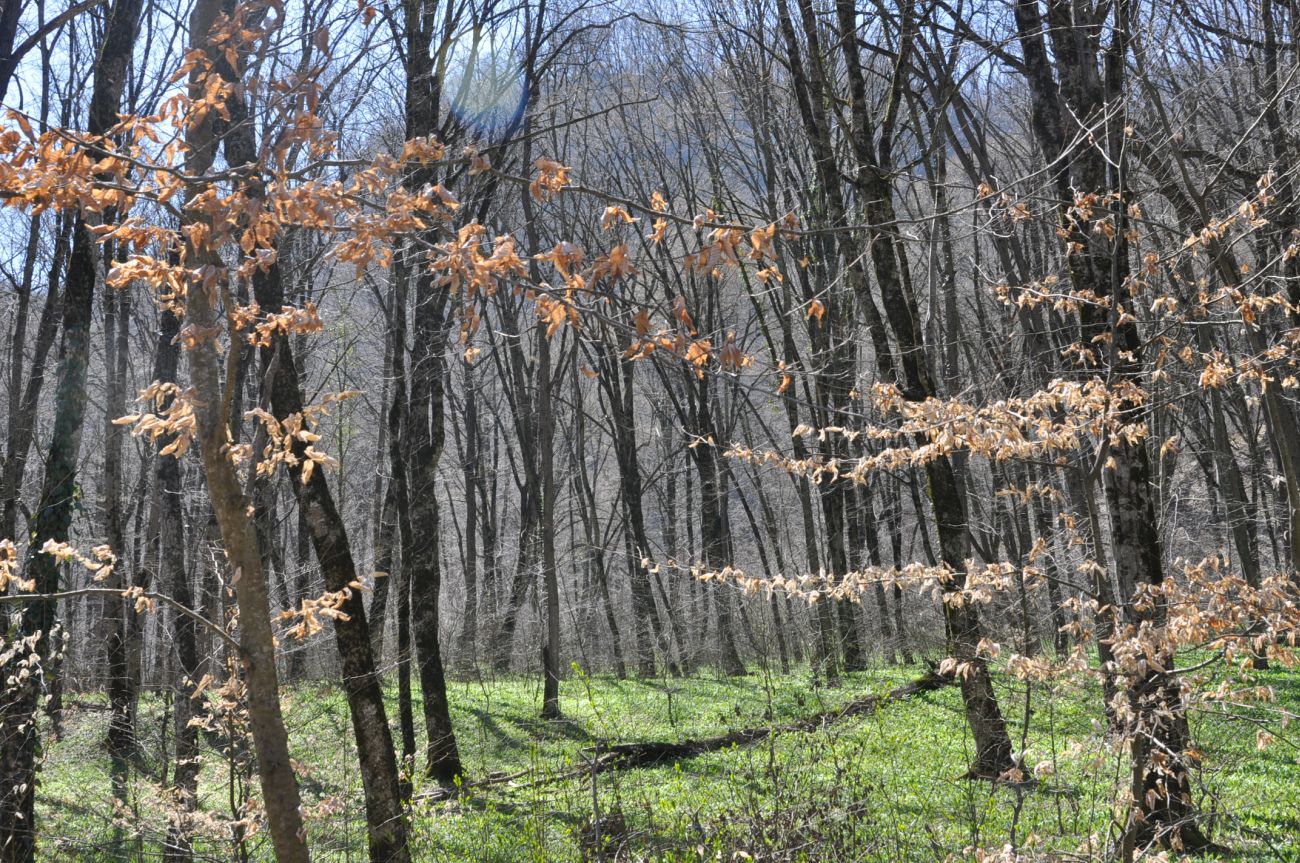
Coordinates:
<point>609,430</point>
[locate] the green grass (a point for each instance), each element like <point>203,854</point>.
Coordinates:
<point>882,787</point>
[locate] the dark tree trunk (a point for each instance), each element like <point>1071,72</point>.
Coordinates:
<point>550,578</point>
<point>18,704</point>
<point>1087,83</point>
<point>397,451</point>
<point>421,563</point>
<point>322,522</point>
<point>418,448</point>
<point>174,573</point>
<point>385,819</point>
<point>472,472</point>
<point>123,685</point>
<point>617,379</point>
<point>715,534</point>
<point>872,146</point>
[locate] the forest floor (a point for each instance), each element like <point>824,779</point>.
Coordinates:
<point>879,786</point>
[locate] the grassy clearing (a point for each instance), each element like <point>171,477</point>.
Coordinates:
<point>883,787</point>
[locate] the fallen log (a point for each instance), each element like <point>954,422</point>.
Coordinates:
<point>628,756</point>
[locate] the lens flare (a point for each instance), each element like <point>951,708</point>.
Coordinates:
<point>486,85</point>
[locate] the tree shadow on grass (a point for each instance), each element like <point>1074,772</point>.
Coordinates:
<point>552,729</point>
<point>493,727</point>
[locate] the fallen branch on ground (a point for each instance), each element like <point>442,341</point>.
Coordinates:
<point>629,756</point>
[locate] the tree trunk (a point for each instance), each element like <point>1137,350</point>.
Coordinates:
<point>322,522</point>
<point>472,471</point>
<point>421,563</point>
<point>123,685</point>
<point>424,430</point>
<point>717,551</point>
<point>546,455</point>
<point>174,573</point>
<point>1091,83</point>
<point>35,633</point>
<point>616,380</point>
<point>383,528</point>
<point>588,512</point>
<point>22,412</point>
<point>229,504</point>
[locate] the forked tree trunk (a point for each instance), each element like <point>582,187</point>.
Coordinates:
<point>425,433</point>
<point>385,818</point>
<point>872,148</point>
<point>321,520</point>
<point>229,504</point>
<point>542,458</point>
<point>397,452</point>
<point>1091,85</point>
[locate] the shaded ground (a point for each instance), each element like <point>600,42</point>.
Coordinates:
<point>876,785</point>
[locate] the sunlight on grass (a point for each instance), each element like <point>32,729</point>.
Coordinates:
<point>886,786</point>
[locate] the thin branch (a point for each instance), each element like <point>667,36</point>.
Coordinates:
<point>110,591</point>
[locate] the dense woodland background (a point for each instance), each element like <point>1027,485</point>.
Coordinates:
<point>434,365</point>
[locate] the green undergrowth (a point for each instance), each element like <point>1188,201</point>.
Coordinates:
<point>884,786</point>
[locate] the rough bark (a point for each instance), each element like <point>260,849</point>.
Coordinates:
<point>1090,83</point>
